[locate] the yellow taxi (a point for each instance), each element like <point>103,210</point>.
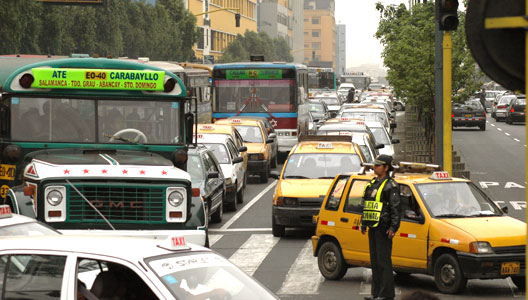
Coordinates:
<point>230,130</point>
<point>258,145</point>
<point>449,229</point>
<point>306,176</point>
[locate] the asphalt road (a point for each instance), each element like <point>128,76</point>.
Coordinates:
<point>287,267</point>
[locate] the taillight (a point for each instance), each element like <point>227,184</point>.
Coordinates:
<point>452,115</point>
<point>512,110</point>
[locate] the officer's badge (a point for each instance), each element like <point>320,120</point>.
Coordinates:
<point>373,193</point>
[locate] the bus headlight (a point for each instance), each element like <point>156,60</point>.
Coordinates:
<point>54,197</point>
<point>175,198</point>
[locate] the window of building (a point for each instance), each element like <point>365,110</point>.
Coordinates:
<point>316,46</point>
<point>315,33</point>
<point>315,20</point>
<point>306,33</point>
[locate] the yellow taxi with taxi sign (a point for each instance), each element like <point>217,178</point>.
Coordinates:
<point>306,176</point>
<point>258,145</point>
<point>449,229</point>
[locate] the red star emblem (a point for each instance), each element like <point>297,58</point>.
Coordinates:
<point>86,171</point>
<point>125,172</point>
<point>104,171</point>
<point>163,172</point>
<point>66,171</point>
<point>142,172</point>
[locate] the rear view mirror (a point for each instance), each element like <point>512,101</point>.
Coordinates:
<point>242,149</point>
<point>189,122</point>
<point>395,141</point>
<point>274,174</point>
<point>379,146</point>
<point>272,135</point>
<point>269,141</point>
<point>237,159</point>
<point>212,175</point>
<point>505,209</point>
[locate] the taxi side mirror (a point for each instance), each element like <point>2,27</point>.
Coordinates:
<point>269,141</point>
<point>242,149</point>
<point>274,174</point>
<point>504,209</point>
<point>272,135</point>
<point>395,141</point>
<point>237,159</point>
<point>379,146</point>
<point>212,175</point>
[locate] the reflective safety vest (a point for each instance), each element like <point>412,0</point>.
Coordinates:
<point>372,209</point>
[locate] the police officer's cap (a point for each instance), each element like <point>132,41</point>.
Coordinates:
<point>385,160</point>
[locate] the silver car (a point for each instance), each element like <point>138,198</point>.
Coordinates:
<point>499,108</point>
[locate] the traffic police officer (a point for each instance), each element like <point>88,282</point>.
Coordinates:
<point>381,214</point>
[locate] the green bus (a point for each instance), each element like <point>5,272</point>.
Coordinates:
<point>100,144</point>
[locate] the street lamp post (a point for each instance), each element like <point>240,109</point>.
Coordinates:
<point>207,28</point>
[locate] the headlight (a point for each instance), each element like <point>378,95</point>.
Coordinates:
<point>480,248</point>
<point>54,197</point>
<point>175,199</point>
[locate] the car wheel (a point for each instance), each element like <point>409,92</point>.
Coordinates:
<point>331,262</point>
<point>240,196</point>
<point>233,205</point>
<point>520,282</point>
<point>277,230</point>
<point>448,275</point>
<point>265,176</point>
<point>482,127</point>
<point>218,215</point>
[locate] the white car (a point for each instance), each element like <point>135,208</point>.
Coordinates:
<point>102,267</point>
<point>367,114</point>
<point>223,147</point>
<point>13,224</point>
<point>382,136</point>
<point>332,101</point>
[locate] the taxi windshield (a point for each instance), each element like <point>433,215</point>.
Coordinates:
<point>250,134</point>
<point>220,152</point>
<point>206,276</point>
<point>456,199</point>
<point>380,135</point>
<point>366,115</point>
<point>195,169</point>
<point>320,165</point>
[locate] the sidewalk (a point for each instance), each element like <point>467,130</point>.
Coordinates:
<point>399,133</point>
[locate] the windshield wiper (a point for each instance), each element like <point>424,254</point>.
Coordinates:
<point>326,177</point>
<point>120,138</point>
<point>484,215</point>
<point>297,177</point>
<point>451,216</point>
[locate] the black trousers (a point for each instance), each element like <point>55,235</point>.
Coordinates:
<point>380,247</point>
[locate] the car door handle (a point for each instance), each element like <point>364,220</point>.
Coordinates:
<point>344,220</point>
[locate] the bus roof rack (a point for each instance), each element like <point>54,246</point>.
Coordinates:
<point>325,138</point>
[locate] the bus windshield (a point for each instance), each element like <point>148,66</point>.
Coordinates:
<point>321,80</point>
<point>255,95</point>
<point>95,121</point>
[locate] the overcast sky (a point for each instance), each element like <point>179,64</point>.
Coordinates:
<point>361,19</point>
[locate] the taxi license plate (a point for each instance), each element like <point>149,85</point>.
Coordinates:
<point>468,115</point>
<point>7,172</point>
<point>510,268</point>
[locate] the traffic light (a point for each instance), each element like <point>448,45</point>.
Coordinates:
<point>447,14</point>
<point>237,20</point>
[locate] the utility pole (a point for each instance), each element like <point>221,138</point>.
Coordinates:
<point>207,28</point>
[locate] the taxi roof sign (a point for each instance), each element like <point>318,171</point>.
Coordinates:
<point>175,243</point>
<point>5,211</point>
<point>207,127</point>
<point>325,145</point>
<point>440,175</point>
<point>236,121</point>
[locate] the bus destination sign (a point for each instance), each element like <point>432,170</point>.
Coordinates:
<point>254,74</point>
<point>97,79</point>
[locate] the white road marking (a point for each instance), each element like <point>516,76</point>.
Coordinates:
<point>245,208</point>
<point>251,254</point>
<point>213,238</point>
<point>517,140</point>
<point>304,277</point>
<point>507,134</point>
<point>239,229</point>
<point>492,125</point>
<point>499,129</point>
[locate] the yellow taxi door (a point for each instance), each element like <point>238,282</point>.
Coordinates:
<point>355,246</point>
<point>409,248</point>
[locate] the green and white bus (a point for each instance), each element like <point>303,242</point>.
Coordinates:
<point>99,144</point>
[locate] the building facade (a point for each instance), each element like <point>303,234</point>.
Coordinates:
<point>340,67</point>
<point>319,33</point>
<point>219,25</point>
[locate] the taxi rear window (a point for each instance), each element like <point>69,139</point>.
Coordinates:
<point>250,134</point>
<point>320,165</point>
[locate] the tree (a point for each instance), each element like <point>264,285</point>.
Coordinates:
<point>252,43</point>
<point>408,38</point>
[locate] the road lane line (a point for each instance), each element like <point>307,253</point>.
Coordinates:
<point>245,208</point>
<point>492,125</point>
<point>499,129</point>
<point>304,277</point>
<point>517,140</point>
<point>213,238</point>
<point>251,254</point>
<point>217,230</point>
<point>507,134</point>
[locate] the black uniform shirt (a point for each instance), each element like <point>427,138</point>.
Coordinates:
<point>390,196</point>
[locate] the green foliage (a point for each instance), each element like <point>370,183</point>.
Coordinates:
<point>252,43</point>
<point>408,38</point>
<point>165,31</point>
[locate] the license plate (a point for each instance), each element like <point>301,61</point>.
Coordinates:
<point>510,268</point>
<point>7,172</point>
<point>468,115</point>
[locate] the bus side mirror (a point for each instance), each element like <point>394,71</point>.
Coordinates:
<point>4,119</point>
<point>189,122</point>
